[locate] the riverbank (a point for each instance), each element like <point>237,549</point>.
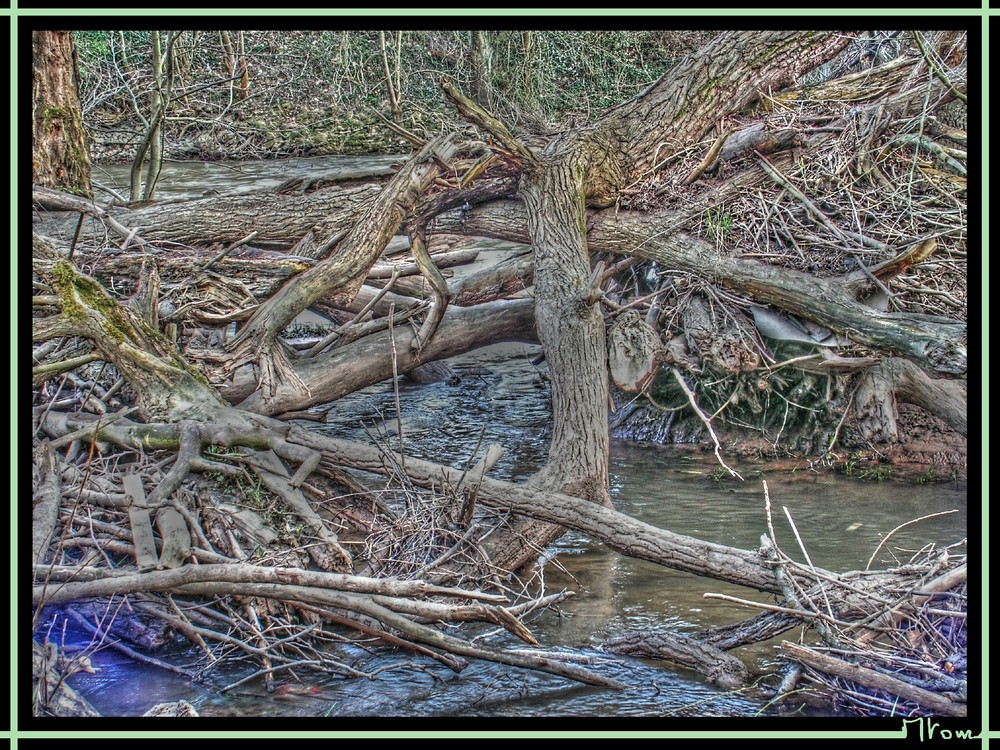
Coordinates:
<point>671,487</point>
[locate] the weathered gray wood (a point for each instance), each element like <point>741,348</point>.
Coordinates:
<point>277,218</point>
<point>96,582</point>
<point>176,545</point>
<point>139,520</point>
<point>358,245</point>
<point>718,667</point>
<point>938,704</point>
<point>53,695</point>
<point>369,360</point>
<point>325,550</point>
<point>45,505</point>
<point>251,523</point>
<point>632,352</point>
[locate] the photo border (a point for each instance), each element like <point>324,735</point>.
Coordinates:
<point>32,14</point>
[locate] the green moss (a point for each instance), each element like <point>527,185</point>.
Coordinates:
<point>51,114</point>
<point>79,293</point>
<point>709,86</point>
<point>194,372</point>
<point>115,324</point>
<point>63,278</point>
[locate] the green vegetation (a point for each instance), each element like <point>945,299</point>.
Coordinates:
<point>877,473</point>
<point>324,92</point>
<point>860,466</point>
<point>717,224</point>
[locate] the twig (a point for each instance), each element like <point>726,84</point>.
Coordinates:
<point>713,152</point>
<point>228,250</point>
<point>901,526</point>
<point>130,653</point>
<point>395,389</point>
<point>795,612</point>
<point>805,552</point>
<point>333,335</point>
<point>281,667</point>
<point>918,37</point>
<point>705,420</point>
<point>439,286</point>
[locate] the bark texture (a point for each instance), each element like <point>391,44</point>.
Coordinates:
<point>59,155</point>
<point>571,329</point>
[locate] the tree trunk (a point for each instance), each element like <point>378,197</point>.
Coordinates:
<point>59,156</point>
<point>571,329</point>
<point>275,219</point>
<point>151,146</point>
<point>391,81</point>
<point>156,103</point>
<point>480,64</point>
<point>229,60</point>
<point>242,66</point>
<point>895,381</point>
<point>370,360</point>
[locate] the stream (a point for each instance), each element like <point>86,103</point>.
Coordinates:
<point>501,397</point>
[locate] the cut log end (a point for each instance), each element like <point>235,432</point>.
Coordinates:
<point>633,347</point>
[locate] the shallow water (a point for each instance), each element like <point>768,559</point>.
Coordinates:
<point>501,397</point>
<point>840,520</point>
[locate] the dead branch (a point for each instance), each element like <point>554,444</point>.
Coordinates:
<point>933,702</point>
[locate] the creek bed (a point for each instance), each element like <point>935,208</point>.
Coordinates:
<point>499,392</point>
<point>500,396</point>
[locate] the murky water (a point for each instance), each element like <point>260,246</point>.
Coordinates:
<point>500,394</point>
<point>501,397</point>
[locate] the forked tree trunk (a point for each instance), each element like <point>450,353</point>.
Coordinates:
<point>591,166</point>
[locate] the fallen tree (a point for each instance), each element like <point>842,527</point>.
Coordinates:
<point>622,226</point>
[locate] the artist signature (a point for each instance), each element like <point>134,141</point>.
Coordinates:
<point>927,729</point>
